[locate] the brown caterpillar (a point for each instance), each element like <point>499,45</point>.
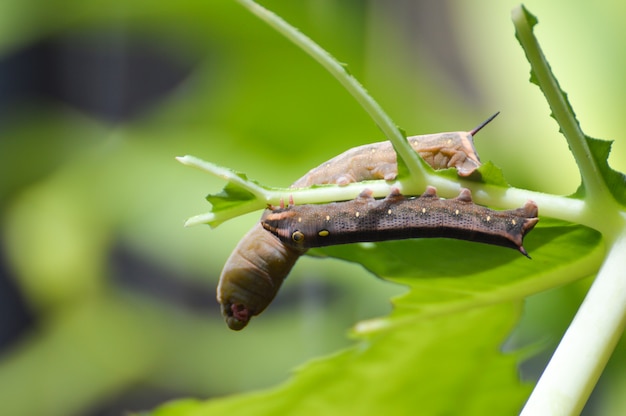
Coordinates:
<point>258,265</point>
<point>397,217</point>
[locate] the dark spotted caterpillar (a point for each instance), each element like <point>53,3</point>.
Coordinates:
<point>257,267</point>
<point>397,217</point>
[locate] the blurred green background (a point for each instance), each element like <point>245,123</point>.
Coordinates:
<point>108,304</point>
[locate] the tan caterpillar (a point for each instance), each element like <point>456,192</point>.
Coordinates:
<point>397,217</point>
<point>258,265</point>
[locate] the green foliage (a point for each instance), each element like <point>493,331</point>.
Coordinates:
<point>80,197</point>
<point>591,154</point>
<point>492,175</point>
<point>599,151</point>
<point>231,195</point>
<point>419,367</point>
<point>445,334</point>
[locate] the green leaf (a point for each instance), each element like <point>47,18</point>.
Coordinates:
<point>579,359</point>
<point>443,272</point>
<point>400,372</point>
<point>487,173</point>
<point>464,299</point>
<point>492,175</point>
<point>230,197</point>
<point>175,408</point>
<point>614,180</point>
<point>598,179</point>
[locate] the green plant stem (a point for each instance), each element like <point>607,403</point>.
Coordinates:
<point>224,173</point>
<point>416,166</point>
<point>577,363</point>
<point>567,209</point>
<point>216,218</point>
<point>420,174</point>
<point>595,187</point>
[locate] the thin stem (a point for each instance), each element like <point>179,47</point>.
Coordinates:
<point>216,218</point>
<point>577,363</point>
<point>416,166</point>
<point>595,188</point>
<point>567,209</point>
<point>223,173</point>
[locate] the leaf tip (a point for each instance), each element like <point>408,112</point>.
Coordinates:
<point>208,218</point>
<point>183,159</point>
<point>521,12</point>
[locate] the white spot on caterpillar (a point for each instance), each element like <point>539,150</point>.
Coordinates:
<point>456,212</point>
<point>328,218</point>
<point>513,222</point>
<point>389,211</point>
<point>299,219</point>
<point>357,214</point>
<point>488,218</point>
<point>423,210</point>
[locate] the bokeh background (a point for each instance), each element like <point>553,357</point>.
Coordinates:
<point>108,304</point>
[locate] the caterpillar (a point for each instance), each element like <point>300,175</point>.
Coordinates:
<point>397,217</point>
<point>256,268</point>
